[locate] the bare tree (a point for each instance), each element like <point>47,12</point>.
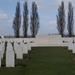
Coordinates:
<point>61,19</point>
<point>25,19</point>
<point>34,24</point>
<point>17,21</point>
<point>70,24</point>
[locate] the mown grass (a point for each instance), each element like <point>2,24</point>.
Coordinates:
<point>43,61</point>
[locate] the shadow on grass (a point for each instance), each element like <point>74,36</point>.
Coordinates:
<point>20,65</point>
<point>30,52</point>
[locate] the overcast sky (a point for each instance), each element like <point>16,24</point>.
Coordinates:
<point>47,10</point>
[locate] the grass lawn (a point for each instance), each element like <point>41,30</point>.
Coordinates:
<point>43,61</point>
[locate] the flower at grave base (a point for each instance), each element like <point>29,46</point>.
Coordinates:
<point>31,41</point>
<point>25,43</point>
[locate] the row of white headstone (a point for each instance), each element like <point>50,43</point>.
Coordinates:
<point>21,47</point>
<point>18,48</point>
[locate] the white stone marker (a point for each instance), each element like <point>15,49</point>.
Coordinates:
<point>25,49</point>
<point>1,51</point>
<point>69,46</point>
<point>70,42</point>
<point>73,47</point>
<point>29,44</point>
<point>3,47</point>
<point>10,57</point>
<point>19,52</point>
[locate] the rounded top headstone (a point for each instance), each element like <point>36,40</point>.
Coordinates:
<point>9,47</point>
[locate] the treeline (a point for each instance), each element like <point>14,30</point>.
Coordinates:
<point>34,20</point>
<point>61,21</point>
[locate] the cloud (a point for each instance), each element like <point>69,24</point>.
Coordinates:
<point>9,20</point>
<point>56,3</point>
<point>42,5</point>
<point>46,17</point>
<point>52,22</point>
<point>4,17</point>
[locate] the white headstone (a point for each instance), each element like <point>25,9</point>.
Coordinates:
<point>19,52</point>
<point>9,47</point>
<point>29,45</point>
<point>70,46</point>
<point>1,51</point>
<point>10,57</point>
<point>3,47</point>
<point>25,49</point>
<point>73,47</point>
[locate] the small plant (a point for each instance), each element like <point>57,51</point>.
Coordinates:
<point>19,43</point>
<point>32,42</point>
<point>65,41</point>
<point>25,43</point>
